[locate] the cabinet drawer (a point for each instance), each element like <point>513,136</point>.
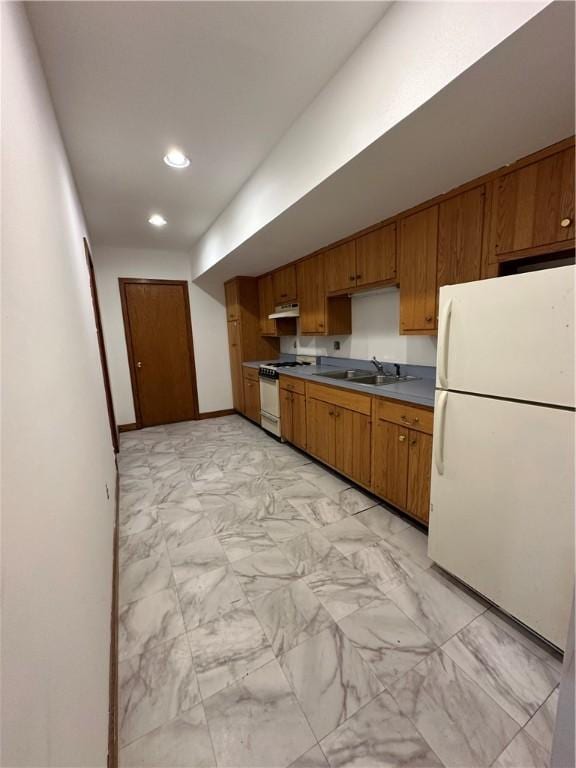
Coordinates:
<point>411,416</point>
<point>345,398</point>
<point>293,385</point>
<point>251,374</point>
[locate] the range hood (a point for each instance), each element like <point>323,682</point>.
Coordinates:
<point>285,310</point>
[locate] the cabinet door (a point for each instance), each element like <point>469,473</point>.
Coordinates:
<point>418,249</point>
<point>232,300</point>
<point>266,305</point>
<point>299,420</point>
<point>320,423</point>
<point>390,469</point>
<point>534,206</point>
<point>376,256</point>
<point>284,282</point>
<point>236,365</point>
<point>419,475</point>
<point>353,444</point>
<point>460,231</point>
<point>286,415</point>
<point>310,277</point>
<point>340,267</point>
<point>252,399</point>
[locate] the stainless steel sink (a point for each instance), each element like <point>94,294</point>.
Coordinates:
<point>382,380</point>
<point>343,374</point>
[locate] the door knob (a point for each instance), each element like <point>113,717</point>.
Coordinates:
<point>138,364</point>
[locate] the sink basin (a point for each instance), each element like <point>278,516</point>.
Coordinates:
<point>382,380</point>
<point>343,374</point>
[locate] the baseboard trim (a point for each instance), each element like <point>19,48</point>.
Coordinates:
<point>127,427</point>
<point>216,414</point>
<point>113,683</point>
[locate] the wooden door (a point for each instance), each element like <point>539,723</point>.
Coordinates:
<point>320,424</point>
<point>266,305</point>
<point>460,233</point>
<point>231,290</point>
<point>353,445</point>
<point>235,351</point>
<point>284,282</point>
<point>299,420</point>
<point>418,247</point>
<point>340,267</point>
<point>534,206</point>
<point>419,475</point>
<point>286,415</point>
<point>160,351</point>
<point>311,296</point>
<point>390,468</point>
<point>376,256</point>
<point>252,399</point>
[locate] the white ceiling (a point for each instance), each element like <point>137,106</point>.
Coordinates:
<point>221,80</point>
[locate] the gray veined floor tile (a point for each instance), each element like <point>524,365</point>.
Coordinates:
<point>283,522</point>
<point>386,639</point>
<point>516,679</point>
<point>378,735</point>
<point>258,723</point>
<point>170,512</point>
<point>187,529</point>
<point>140,545</point>
<point>414,543</point>
<point>147,622</point>
<point>291,615</point>
<point>144,577</point>
<point>541,726</point>
<point>353,501</point>
<point>135,494</point>
<point>318,509</point>
<point>181,743</point>
<point>313,758</point>
<point>247,539</point>
<point>382,521</point>
<point>341,588</point>
<point>436,604</point>
<point>137,520</point>
<point>328,483</point>
<point>330,679</point>
<point>227,649</point>
<point>349,535</point>
<point>523,752</point>
<point>463,725</point>
<point>154,687</point>
<point>310,552</point>
<point>204,598</point>
<point>385,567</point>
<point>264,572</point>
<point>527,639</point>
<point>197,558</point>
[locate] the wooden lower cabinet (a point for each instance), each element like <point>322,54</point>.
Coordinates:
<point>293,417</point>
<point>419,475</point>
<point>251,398</point>
<point>321,430</point>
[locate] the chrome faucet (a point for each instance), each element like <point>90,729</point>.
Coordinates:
<point>378,365</point>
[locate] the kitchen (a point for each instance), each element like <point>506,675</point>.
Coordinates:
<point>307,367</point>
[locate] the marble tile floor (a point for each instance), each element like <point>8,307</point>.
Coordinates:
<point>273,616</point>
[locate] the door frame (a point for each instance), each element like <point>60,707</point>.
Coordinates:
<point>101,346</point>
<point>122,283</point>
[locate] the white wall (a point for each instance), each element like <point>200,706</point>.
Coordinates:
<point>208,325</point>
<point>411,54</point>
<point>57,458</point>
<point>375,332</point>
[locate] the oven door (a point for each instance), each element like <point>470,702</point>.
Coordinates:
<point>270,405</point>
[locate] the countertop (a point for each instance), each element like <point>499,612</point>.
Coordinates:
<point>418,391</point>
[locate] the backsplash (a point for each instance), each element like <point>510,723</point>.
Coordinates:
<point>375,332</point>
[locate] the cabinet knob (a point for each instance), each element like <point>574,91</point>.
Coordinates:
<point>428,318</point>
<point>402,438</point>
<point>351,278</point>
<point>358,277</point>
<point>138,364</point>
<point>413,442</point>
<point>565,222</point>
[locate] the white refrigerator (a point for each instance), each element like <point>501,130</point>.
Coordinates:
<point>502,498</point>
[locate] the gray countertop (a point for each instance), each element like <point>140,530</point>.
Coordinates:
<point>418,391</point>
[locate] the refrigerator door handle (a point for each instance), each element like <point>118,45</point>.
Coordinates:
<point>445,337</point>
<point>439,437</point>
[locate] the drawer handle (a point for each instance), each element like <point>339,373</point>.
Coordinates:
<point>415,420</point>
<point>565,222</point>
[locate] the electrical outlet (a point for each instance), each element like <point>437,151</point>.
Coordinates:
<point>336,345</point>
<point>295,345</point>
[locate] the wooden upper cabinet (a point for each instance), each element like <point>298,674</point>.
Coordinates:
<point>311,296</point>
<point>417,255</point>
<point>340,267</point>
<point>533,207</point>
<point>460,237</point>
<point>266,304</point>
<point>231,289</point>
<point>284,283</point>
<point>376,256</point>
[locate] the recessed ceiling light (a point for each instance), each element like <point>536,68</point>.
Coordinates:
<point>157,220</point>
<point>176,159</point>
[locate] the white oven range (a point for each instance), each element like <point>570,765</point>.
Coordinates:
<point>270,393</point>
